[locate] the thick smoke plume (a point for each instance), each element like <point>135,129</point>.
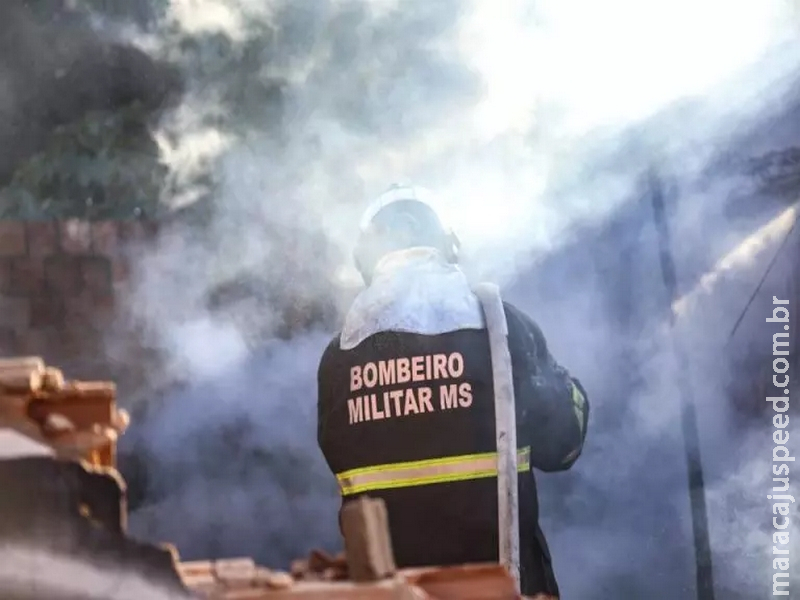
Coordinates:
<point>536,123</point>
<point>33,572</point>
<point>54,70</point>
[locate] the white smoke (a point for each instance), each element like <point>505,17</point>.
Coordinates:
<point>32,572</point>
<point>533,121</point>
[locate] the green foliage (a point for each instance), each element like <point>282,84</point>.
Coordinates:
<point>103,166</point>
<point>106,164</point>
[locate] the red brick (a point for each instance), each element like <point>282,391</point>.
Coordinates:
<point>9,342</point>
<point>105,237</point>
<point>81,348</point>
<point>38,342</point>
<point>6,281</point>
<point>88,311</point>
<point>120,269</point>
<point>79,310</point>
<point>96,276</point>
<point>27,276</point>
<point>63,275</point>
<point>47,310</point>
<point>367,541</point>
<point>130,231</point>
<point>104,310</point>
<point>76,236</point>
<point>15,313</point>
<point>151,228</point>
<point>42,238</point>
<point>12,238</point>
<point>137,231</point>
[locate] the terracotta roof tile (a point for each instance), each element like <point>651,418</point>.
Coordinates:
<point>79,420</point>
<point>241,579</point>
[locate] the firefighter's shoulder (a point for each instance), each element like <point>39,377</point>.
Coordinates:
<point>519,320</point>
<point>328,355</point>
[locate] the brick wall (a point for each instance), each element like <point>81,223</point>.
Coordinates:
<point>59,284</point>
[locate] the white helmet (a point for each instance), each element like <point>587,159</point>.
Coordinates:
<point>401,217</point>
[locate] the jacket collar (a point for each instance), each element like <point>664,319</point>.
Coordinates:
<point>415,291</point>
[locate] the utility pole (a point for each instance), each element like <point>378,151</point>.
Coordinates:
<point>691,438</point>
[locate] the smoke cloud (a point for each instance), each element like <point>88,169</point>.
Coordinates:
<point>535,123</point>
<point>63,577</point>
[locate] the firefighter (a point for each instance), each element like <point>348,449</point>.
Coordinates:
<point>406,401</point>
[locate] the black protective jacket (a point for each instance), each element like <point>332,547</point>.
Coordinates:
<point>406,414</point>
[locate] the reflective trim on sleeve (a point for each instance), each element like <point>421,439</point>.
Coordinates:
<point>578,405</point>
<point>425,472</point>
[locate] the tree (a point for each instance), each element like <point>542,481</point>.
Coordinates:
<point>79,111</point>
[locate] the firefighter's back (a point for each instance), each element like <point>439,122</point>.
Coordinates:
<point>409,418</point>
<point>406,412</point>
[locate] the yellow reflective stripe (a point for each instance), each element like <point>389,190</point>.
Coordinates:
<point>578,405</point>
<point>425,472</point>
<point>579,408</point>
